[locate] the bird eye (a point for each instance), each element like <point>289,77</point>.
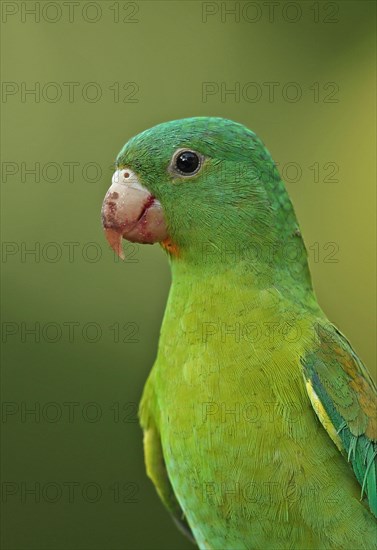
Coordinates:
<point>187,162</point>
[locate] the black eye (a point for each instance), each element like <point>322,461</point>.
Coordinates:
<point>187,162</point>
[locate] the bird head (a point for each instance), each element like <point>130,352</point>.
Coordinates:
<point>199,186</point>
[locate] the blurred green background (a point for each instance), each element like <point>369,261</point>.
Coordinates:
<point>96,321</point>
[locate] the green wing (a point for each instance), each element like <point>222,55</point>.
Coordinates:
<point>156,470</point>
<point>155,462</point>
<point>344,397</point>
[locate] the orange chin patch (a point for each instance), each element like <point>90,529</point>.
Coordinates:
<point>170,247</point>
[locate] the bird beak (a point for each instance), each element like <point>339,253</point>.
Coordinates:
<point>131,212</point>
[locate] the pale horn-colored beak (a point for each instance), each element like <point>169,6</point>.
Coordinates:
<point>131,212</point>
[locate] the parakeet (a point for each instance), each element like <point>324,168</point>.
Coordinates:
<point>259,419</point>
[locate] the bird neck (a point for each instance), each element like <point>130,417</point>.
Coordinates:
<point>283,267</point>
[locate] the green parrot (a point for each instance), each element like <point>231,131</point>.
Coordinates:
<point>259,419</point>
